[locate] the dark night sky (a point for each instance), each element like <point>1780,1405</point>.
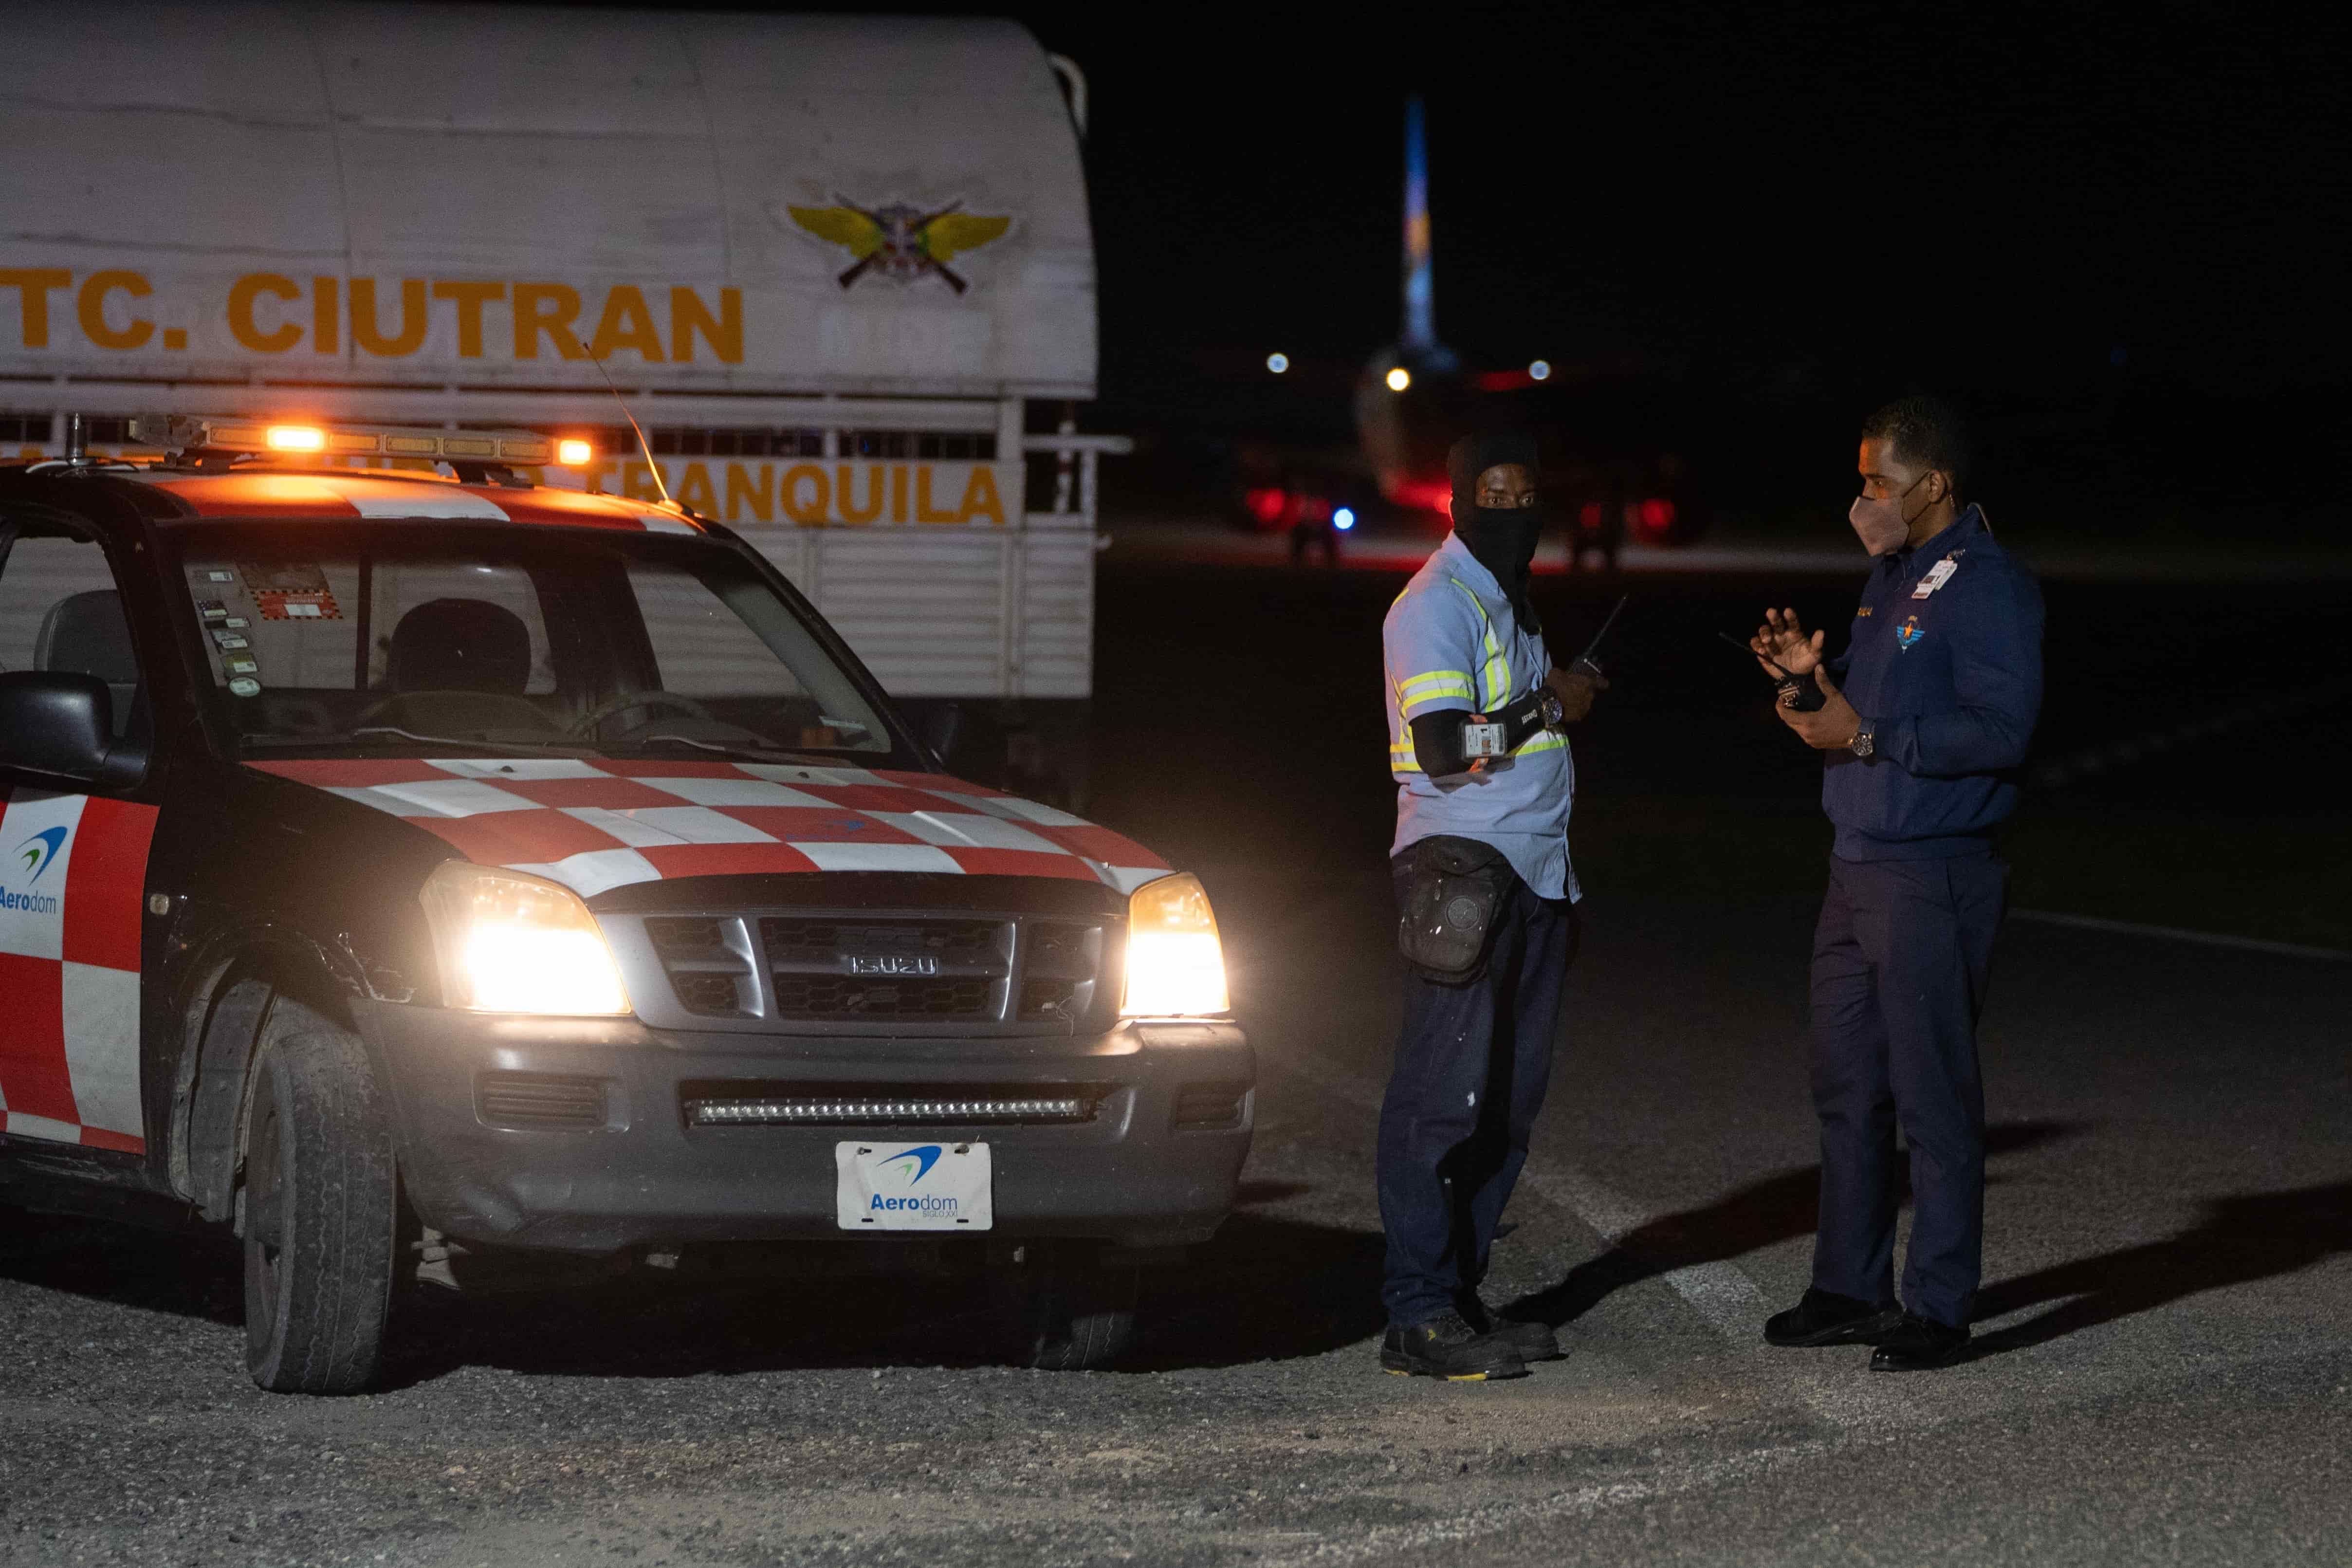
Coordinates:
<point>2000,203</point>
<point>1825,203</point>
<point>2000,197</point>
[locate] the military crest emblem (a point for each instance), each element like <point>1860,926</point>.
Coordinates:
<point>899,241</point>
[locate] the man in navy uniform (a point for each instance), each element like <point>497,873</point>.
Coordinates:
<point>1925,723</point>
<point>1485,781</point>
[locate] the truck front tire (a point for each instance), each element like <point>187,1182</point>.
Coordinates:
<point>317,1208</point>
<point>1068,1313</point>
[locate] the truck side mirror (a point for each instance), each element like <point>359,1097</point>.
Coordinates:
<point>56,724</point>
<point>942,726</point>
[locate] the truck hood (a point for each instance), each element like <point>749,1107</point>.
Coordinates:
<point>598,825</point>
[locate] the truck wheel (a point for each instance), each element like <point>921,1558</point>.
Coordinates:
<point>318,1210</point>
<point>1075,1317</point>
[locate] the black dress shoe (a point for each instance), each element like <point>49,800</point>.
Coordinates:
<point>1447,1347</point>
<point>1919,1344</point>
<point>1826,1318</point>
<point>1534,1342</point>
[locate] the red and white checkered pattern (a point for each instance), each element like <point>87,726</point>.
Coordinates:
<point>605,823</point>
<point>355,495</point>
<point>69,923</point>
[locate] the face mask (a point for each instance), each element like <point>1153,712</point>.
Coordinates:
<point>1504,539</point>
<point>1881,524</point>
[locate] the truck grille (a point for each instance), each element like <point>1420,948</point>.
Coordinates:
<point>888,1105</point>
<point>937,969</point>
<point>709,964</point>
<point>834,997</point>
<point>909,968</point>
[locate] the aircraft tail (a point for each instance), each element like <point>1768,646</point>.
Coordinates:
<point>1417,344</point>
<point>1420,331</point>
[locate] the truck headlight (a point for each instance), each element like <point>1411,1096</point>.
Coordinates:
<point>512,944</point>
<point>1174,965</point>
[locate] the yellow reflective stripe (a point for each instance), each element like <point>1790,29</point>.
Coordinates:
<point>1407,706</point>
<point>1461,677</point>
<point>1401,759</point>
<point>1498,667</point>
<point>1543,741</point>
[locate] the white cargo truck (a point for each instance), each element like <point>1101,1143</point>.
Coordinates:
<point>840,268</point>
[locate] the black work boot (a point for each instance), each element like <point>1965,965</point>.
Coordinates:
<point>1534,1342</point>
<point>1919,1344</point>
<point>1826,1318</point>
<point>1447,1347</point>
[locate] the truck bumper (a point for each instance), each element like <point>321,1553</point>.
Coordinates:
<point>629,1168</point>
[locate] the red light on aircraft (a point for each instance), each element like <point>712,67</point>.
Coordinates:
<point>1503,380</point>
<point>1656,517</point>
<point>1267,503</point>
<point>1426,495</point>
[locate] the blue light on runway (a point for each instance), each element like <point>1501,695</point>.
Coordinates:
<point>1278,363</point>
<point>1344,518</point>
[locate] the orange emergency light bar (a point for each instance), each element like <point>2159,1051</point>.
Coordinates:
<point>183,433</point>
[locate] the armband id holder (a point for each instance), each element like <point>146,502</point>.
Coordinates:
<point>1449,891</point>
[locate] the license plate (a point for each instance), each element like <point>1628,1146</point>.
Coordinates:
<point>913,1187</point>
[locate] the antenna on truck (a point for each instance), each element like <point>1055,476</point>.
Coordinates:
<point>644,446</point>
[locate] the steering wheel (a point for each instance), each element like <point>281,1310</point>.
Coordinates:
<point>588,724</point>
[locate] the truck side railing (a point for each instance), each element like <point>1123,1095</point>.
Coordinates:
<point>1074,500</point>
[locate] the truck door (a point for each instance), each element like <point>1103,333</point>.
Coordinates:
<point>73,867</point>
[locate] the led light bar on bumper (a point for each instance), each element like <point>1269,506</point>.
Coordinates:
<point>1175,965</point>
<point>513,944</point>
<point>807,1110</point>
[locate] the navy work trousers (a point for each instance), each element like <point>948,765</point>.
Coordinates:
<point>1470,1073</point>
<point>1900,961</point>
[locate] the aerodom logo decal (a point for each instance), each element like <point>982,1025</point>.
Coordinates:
<point>33,856</point>
<point>916,1163</point>
<point>40,849</point>
<point>911,1165</point>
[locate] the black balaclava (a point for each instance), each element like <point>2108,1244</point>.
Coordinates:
<point>1502,538</point>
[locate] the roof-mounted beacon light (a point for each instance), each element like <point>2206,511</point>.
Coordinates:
<point>476,455</point>
<point>570,452</point>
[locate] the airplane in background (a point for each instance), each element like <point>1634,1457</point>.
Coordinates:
<point>1598,422</point>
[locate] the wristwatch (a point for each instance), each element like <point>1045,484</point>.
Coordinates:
<point>1864,743</point>
<point>1553,712</point>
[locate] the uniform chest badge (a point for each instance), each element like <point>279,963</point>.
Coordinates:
<point>1908,632</point>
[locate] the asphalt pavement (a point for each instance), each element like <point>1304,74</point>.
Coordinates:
<point>2164,1366</point>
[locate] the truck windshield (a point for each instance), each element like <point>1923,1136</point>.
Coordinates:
<point>415,638</point>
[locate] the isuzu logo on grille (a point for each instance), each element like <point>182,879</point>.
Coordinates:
<point>890,964</point>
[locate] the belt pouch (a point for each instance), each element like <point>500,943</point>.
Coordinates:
<point>1449,893</point>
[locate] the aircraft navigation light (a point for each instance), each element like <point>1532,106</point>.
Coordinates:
<point>295,439</point>
<point>1278,363</point>
<point>1539,370</point>
<point>1344,518</point>
<point>575,454</point>
<point>1399,378</point>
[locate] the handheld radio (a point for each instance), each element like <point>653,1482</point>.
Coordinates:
<point>1800,692</point>
<point>1584,661</point>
